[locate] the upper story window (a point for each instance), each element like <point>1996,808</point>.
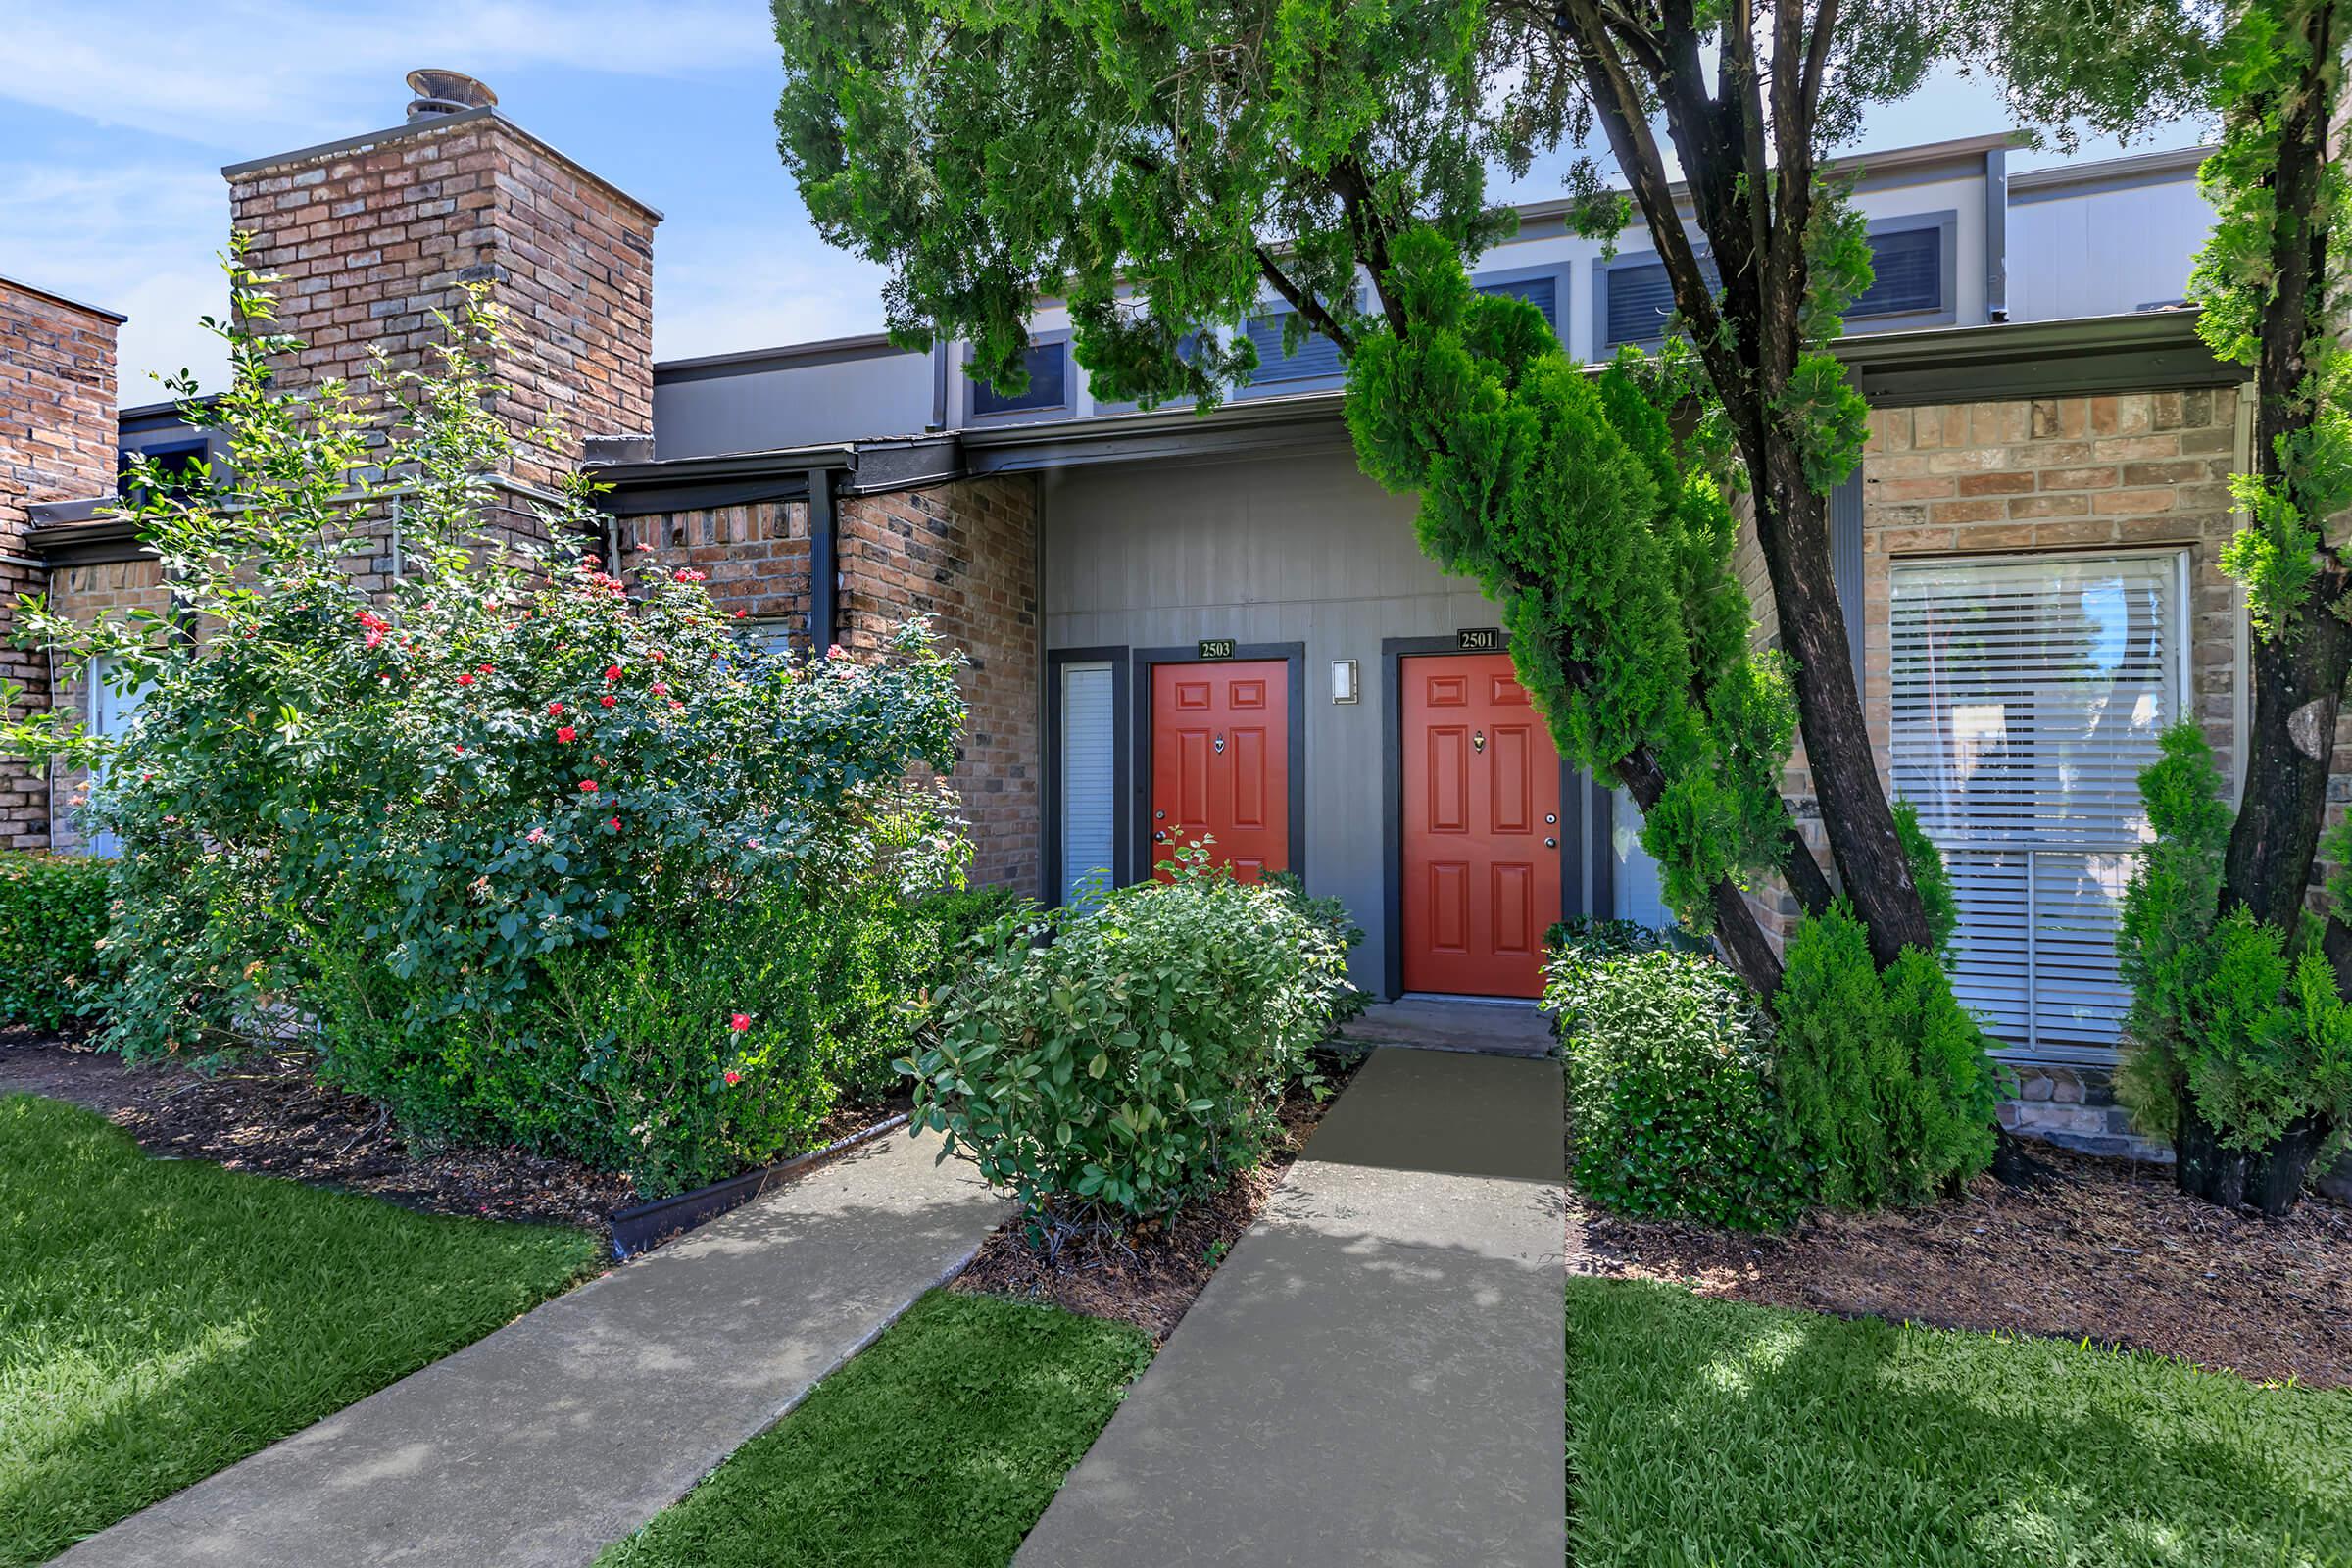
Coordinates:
<point>1544,289</point>
<point>1049,389</point>
<point>1317,359</point>
<point>1912,260</point>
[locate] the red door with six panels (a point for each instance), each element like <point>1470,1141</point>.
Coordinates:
<point>1481,825</point>
<point>1221,762</point>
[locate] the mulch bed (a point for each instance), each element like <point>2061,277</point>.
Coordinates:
<point>1151,1276</point>
<point>2083,1247</point>
<point>265,1113</point>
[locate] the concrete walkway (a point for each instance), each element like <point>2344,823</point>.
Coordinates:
<point>573,1426</point>
<point>1377,1375</point>
<point>1453,1023</point>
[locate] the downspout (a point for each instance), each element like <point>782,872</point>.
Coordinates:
<point>824,564</point>
<point>1996,234</point>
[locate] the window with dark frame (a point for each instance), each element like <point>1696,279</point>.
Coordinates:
<point>1544,293</point>
<point>1907,264</point>
<point>1317,359</point>
<point>1049,366</point>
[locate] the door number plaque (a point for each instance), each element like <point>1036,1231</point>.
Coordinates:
<point>1478,640</point>
<point>1216,648</point>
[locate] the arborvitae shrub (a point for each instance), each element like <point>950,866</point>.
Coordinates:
<point>1887,1092</point>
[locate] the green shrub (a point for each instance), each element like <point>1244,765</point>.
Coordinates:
<point>1887,1092</point>
<point>1672,1107</point>
<point>1332,915</point>
<point>1138,1057</point>
<point>2223,1017</point>
<point>624,1054</point>
<point>1931,877</point>
<point>53,915</point>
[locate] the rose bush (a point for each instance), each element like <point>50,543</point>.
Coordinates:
<point>517,766</point>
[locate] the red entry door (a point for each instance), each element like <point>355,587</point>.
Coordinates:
<point>1481,825</point>
<point>1221,762</point>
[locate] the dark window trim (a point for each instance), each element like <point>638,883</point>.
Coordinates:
<point>1945,219</point>
<point>1576,831</point>
<point>1143,661</point>
<point>1603,344</point>
<point>1050,859</point>
<point>1043,411</point>
<point>1259,385</point>
<point>1561,273</point>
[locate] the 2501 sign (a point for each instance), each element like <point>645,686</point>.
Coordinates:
<point>1478,640</point>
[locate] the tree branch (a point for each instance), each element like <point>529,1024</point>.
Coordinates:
<point>1303,302</point>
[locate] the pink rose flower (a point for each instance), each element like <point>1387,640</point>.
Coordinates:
<point>587,786</point>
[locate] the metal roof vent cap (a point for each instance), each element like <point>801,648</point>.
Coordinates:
<point>447,92</point>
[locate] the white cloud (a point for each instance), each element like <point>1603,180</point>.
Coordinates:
<point>244,72</point>
<point>137,238</point>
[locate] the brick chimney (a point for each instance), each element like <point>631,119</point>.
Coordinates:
<point>56,443</point>
<point>374,233</point>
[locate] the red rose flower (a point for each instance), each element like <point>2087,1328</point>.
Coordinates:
<point>465,680</point>
<point>734,1077</point>
<point>587,786</point>
<point>739,1022</point>
<point>608,699</point>
<point>613,824</point>
<point>484,668</point>
<point>613,672</point>
<point>554,708</point>
<point>566,735</point>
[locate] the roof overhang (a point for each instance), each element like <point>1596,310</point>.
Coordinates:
<point>2147,351</point>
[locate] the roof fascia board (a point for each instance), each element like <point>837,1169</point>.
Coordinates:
<point>787,356</point>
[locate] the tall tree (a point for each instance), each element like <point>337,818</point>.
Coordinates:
<point>1162,166</point>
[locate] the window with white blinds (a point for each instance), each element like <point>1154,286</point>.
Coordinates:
<point>2028,695</point>
<point>1088,779</point>
<point>111,711</point>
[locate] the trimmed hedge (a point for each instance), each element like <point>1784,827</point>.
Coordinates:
<point>53,912</point>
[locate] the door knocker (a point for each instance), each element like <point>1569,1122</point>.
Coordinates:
<point>1478,740</point>
<point>1220,745</point>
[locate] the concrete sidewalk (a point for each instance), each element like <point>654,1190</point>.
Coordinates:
<point>575,1424</point>
<point>1378,1373</point>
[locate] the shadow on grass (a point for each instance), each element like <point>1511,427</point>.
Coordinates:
<point>1708,1432</point>
<point>161,1319</point>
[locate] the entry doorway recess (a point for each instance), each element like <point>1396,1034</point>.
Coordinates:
<point>1479,825</point>
<point>1222,763</point>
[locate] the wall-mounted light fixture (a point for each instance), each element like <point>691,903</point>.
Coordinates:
<point>1343,680</point>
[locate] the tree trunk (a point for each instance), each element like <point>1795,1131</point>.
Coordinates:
<point>1792,526</point>
<point>2268,1179</point>
<point>2298,690</point>
<point>2299,674</point>
<point>1745,945</point>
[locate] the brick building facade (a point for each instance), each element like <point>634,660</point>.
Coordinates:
<point>56,443</point>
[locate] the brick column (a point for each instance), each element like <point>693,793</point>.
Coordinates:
<point>373,234</point>
<point>965,554</point>
<point>56,443</point>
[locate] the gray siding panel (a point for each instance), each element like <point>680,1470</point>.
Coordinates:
<point>1298,549</point>
<point>758,409</point>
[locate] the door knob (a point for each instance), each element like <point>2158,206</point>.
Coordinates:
<point>1160,835</point>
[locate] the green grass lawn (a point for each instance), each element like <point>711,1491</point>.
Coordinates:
<point>160,1319</point>
<point>938,1448</point>
<point>1705,1431</point>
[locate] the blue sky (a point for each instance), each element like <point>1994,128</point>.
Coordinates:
<point>116,118</point>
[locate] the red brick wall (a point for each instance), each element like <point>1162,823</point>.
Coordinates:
<point>56,443</point>
<point>965,554</point>
<point>371,239</point>
<point>755,555</point>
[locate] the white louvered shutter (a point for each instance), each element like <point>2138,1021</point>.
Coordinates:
<point>2028,696</point>
<point>1087,777</point>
